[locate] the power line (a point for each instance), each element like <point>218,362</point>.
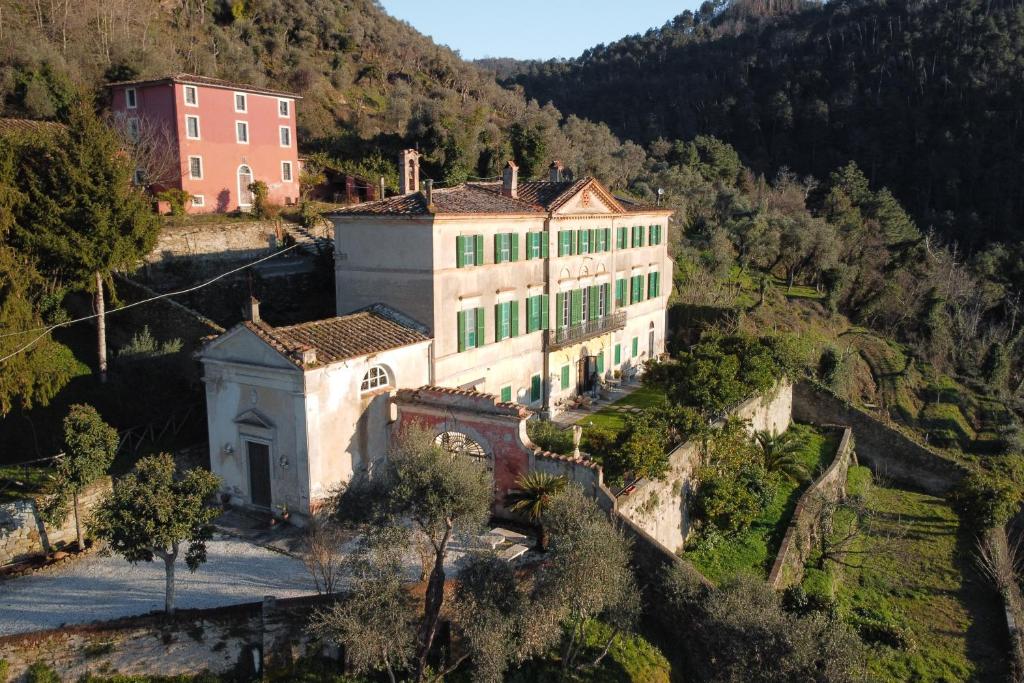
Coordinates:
<point>48,330</point>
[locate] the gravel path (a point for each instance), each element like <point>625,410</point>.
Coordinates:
<point>98,588</point>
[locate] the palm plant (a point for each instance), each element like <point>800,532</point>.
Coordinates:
<point>780,453</point>
<point>536,489</point>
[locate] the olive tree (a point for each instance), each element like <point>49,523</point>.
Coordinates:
<point>90,445</point>
<point>154,510</point>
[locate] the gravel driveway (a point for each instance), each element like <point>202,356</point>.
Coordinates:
<point>99,588</point>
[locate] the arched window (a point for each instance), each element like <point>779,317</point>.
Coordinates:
<point>375,378</point>
<point>244,181</point>
<point>458,443</point>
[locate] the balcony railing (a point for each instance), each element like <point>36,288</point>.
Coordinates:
<point>574,334</point>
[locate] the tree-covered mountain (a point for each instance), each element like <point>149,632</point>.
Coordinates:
<point>927,97</point>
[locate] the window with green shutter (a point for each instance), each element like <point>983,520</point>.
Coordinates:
<point>544,303</point>
<point>594,303</point>
<point>506,394</point>
<point>466,251</point>
<point>535,388</point>
<point>636,346</point>
<point>565,243</point>
<point>618,353</point>
<point>533,242</point>
<point>654,235</point>
<point>503,247</point>
<point>565,377</point>
<point>652,285</point>
<point>636,294</point>
<point>478,249</point>
<point>471,328</point>
<point>544,239</point>
<point>600,362</point>
<point>620,292</point>
<point>561,310</point>
<point>506,320</point>
<point>583,242</point>
<point>602,305</point>
<point>576,297</point>
<point>620,238</point>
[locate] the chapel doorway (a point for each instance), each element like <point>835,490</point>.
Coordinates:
<point>259,474</point>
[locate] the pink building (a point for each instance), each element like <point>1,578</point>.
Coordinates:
<point>211,138</point>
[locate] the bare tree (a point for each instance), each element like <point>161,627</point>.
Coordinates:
<point>151,146</point>
<point>322,554</point>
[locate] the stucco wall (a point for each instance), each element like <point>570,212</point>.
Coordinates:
<point>889,453</point>
<point>23,534</point>
<point>660,507</point>
<point>804,526</point>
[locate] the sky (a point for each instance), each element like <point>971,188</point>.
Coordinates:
<point>532,29</point>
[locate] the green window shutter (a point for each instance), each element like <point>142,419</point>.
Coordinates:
<point>565,376</point>
<point>506,394</point>
<point>607,287</point>
<point>593,312</point>
<point>636,346</point>
<point>460,251</point>
<point>480,330</point>
<point>657,285</point>
<point>607,239</point>
<point>529,315</point>
<point>600,362</point>
<point>564,243</point>
<point>497,248</point>
<point>559,303</point>
<point>531,243</point>
<point>514,324</point>
<point>620,293</point>
<point>497,322</point>
<point>640,236</point>
<point>515,246</point>
<point>544,312</point>
<point>620,238</point>
<point>650,285</point>
<point>478,248</point>
<point>543,237</point>
<point>534,388</point>
<point>577,306</point>
<point>462,331</point>
<point>618,353</point>
<point>581,238</point>
<point>591,241</point>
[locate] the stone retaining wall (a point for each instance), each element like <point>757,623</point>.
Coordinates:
<point>891,454</point>
<point>241,640</point>
<point>227,241</point>
<point>660,507</point>
<point>24,535</point>
<point>804,526</point>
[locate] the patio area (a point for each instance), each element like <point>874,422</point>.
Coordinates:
<point>610,411</point>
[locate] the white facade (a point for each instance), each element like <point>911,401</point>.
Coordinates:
<point>316,425</point>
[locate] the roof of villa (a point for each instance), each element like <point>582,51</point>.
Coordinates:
<point>194,79</point>
<point>372,330</point>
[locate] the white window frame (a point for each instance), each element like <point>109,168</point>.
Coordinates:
<point>199,130</point>
<point>468,249</point>
<point>281,130</point>
<point>287,108</point>
<point>469,317</point>
<point>602,301</point>
<point>195,94</point>
<point>377,377</point>
<point>200,159</point>
<point>504,254</point>
<point>504,321</point>
<point>291,174</point>
<point>238,183</point>
<point>585,297</point>
<point>245,102</point>
<point>247,136</point>
<point>133,101</point>
<point>198,200</point>
<point>565,315</point>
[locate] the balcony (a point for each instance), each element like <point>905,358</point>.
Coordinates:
<point>581,332</point>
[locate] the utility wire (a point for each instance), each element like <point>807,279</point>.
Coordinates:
<point>48,330</point>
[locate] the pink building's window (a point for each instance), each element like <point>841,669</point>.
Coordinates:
<point>130,98</point>
<point>198,200</point>
<point>192,127</point>
<point>241,102</point>
<point>195,168</point>
<point>283,108</point>
<point>191,96</point>
<point>286,136</point>
<point>242,132</point>
<point>286,171</point>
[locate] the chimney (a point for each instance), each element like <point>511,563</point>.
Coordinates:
<point>556,169</point>
<point>382,188</point>
<point>252,313</point>
<point>510,180</point>
<point>428,193</point>
<point>307,354</point>
<point>408,171</point>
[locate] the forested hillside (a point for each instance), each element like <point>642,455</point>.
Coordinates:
<point>927,97</point>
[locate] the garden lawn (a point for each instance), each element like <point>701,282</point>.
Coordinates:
<point>613,416</point>
<point>917,575</point>
<point>753,550</point>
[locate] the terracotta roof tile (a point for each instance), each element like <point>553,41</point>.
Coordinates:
<point>194,79</point>
<point>29,126</point>
<point>461,199</point>
<point>372,330</point>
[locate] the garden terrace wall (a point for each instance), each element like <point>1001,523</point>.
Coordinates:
<point>216,241</point>
<point>660,507</point>
<point>891,455</point>
<point>235,639</point>
<point>804,526</point>
<point>24,535</point>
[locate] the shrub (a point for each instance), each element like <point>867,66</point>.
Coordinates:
<point>987,499</point>
<point>261,206</point>
<point>4,670</point>
<point>176,198</point>
<point>876,627</point>
<point>40,672</point>
<point>549,436</point>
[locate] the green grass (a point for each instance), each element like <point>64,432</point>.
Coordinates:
<point>609,418</point>
<point>916,578</point>
<point>753,551</point>
<point>20,482</point>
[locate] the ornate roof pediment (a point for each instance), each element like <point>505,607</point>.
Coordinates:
<point>254,418</point>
